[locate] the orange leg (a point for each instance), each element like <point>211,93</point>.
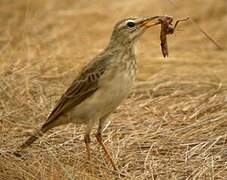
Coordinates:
<point>87,141</point>
<point>99,139</point>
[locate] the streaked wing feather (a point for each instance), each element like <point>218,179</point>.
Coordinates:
<point>83,87</point>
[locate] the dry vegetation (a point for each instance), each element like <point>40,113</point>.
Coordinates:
<point>174,124</point>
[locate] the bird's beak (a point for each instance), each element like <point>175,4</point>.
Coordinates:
<point>153,21</point>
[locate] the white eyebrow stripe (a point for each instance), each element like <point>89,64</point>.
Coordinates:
<point>130,20</point>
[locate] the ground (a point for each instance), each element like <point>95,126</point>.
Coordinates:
<point>172,126</point>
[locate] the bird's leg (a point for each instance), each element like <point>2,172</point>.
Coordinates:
<point>99,139</point>
<point>87,138</point>
<point>87,141</point>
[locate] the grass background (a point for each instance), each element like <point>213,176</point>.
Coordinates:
<point>173,125</point>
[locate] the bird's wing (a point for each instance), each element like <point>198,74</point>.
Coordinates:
<point>82,87</point>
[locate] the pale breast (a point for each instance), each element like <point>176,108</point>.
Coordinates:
<point>114,87</point>
<point>118,87</point>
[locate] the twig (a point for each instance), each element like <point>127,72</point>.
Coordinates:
<point>218,46</point>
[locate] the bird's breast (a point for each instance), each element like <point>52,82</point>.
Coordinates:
<point>118,82</point>
<point>114,86</point>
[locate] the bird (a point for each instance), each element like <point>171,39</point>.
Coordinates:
<point>101,85</point>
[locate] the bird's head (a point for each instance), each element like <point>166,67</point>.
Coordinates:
<point>129,30</point>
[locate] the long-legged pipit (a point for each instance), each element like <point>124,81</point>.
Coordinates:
<point>101,85</point>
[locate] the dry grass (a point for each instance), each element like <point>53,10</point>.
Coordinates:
<point>173,125</point>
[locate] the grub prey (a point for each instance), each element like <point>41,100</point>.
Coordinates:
<point>167,28</point>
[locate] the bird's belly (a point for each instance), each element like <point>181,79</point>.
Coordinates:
<point>106,99</point>
<point>115,91</point>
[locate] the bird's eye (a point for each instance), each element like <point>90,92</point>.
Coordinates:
<point>130,24</point>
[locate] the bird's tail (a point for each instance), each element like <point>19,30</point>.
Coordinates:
<point>47,126</point>
<point>33,138</point>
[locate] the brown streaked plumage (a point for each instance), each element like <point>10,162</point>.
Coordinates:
<point>101,85</point>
